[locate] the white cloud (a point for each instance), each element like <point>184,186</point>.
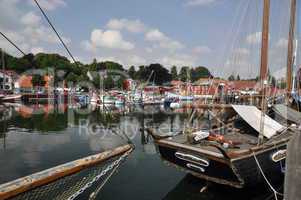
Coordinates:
<point>149,50</point>
<point>136,60</point>
<point>254,38</point>
<point>87,46</point>
<point>43,34</point>
<point>36,50</point>
<point>155,35</point>
<point>165,42</point>
<point>9,14</point>
<point>134,26</point>
<point>240,52</point>
<point>280,73</point>
<point>110,58</point>
<point>199,2</point>
<point>201,50</point>
<point>282,43</point>
<point>49,4</point>
<point>109,39</point>
<point>27,31</point>
<point>178,60</point>
<point>172,45</point>
<point>31,19</point>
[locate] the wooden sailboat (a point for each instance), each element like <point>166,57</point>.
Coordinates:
<point>246,153</point>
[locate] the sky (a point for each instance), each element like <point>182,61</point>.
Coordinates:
<point>223,35</point>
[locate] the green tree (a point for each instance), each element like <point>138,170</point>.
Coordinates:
<point>38,80</point>
<point>132,72</point>
<point>72,77</point>
<point>160,74</point>
<point>238,77</point>
<point>199,72</point>
<point>185,74</point>
<point>231,78</point>
<point>141,73</point>
<point>174,73</point>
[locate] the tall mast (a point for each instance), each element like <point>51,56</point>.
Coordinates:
<point>290,48</point>
<point>264,63</point>
<point>3,69</point>
<point>265,41</point>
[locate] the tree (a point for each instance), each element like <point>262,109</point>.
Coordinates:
<point>238,77</point>
<point>132,72</point>
<point>231,78</point>
<point>184,74</point>
<point>71,77</point>
<point>160,74</point>
<point>199,72</point>
<point>38,80</point>
<point>141,73</point>
<point>174,73</point>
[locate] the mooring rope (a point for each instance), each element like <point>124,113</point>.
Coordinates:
<point>265,178</point>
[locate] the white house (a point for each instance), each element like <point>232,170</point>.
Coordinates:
<point>6,81</point>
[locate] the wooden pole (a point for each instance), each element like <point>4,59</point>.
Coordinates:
<point>264,63</point>
<point>265,41</point>
<point>292,181</point>
<point>3,69</point>
<point>290,49</point>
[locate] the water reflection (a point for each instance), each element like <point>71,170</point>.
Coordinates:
<point>37,137</point>
<point>190,188</point>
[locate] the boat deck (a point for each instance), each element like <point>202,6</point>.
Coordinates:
<point>243,144</point>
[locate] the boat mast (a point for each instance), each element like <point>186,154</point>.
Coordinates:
<point>3,69</point>
<point>264,62</point>
<point>265,41</point>
<point>290,49</point>
<point>294,76</point>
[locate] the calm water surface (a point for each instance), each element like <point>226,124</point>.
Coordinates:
<point>37,137</point>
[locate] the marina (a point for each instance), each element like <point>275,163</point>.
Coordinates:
<point>54,142</point>
<point>142,109</point>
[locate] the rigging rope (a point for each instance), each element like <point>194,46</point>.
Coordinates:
<point>11,42</point>
<point>265,178</point>
<point>56,32</point>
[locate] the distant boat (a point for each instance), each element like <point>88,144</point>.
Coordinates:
<point>11,98</point>
<point>180,97</point>
<point>108,100</point>
<point>95,100</point>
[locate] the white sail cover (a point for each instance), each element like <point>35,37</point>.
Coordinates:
<point>253,117</point>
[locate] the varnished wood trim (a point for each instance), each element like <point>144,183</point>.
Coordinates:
<point>24,184</point>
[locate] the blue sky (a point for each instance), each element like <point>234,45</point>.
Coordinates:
<point>220,34</point>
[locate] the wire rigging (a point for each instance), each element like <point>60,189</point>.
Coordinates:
<point>56,32</point>
<point>14,44</point>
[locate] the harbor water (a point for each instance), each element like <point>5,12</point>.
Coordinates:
<point>37,137</point>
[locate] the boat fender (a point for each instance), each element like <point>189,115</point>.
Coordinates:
<point>279,155</point>
<point>192,158</point>
<point>195,167</point>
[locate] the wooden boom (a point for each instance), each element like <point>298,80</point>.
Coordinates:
<point>16,187</point>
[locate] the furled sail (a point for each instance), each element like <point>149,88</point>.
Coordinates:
<point>252,116</point>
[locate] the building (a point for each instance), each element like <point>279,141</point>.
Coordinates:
<point>25,84</point>
<point>7,80</point>
<point>244,87</point>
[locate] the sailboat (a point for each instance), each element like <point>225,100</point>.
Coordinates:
<point>251,148</point>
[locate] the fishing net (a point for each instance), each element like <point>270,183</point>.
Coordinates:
<point>82,185</point>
